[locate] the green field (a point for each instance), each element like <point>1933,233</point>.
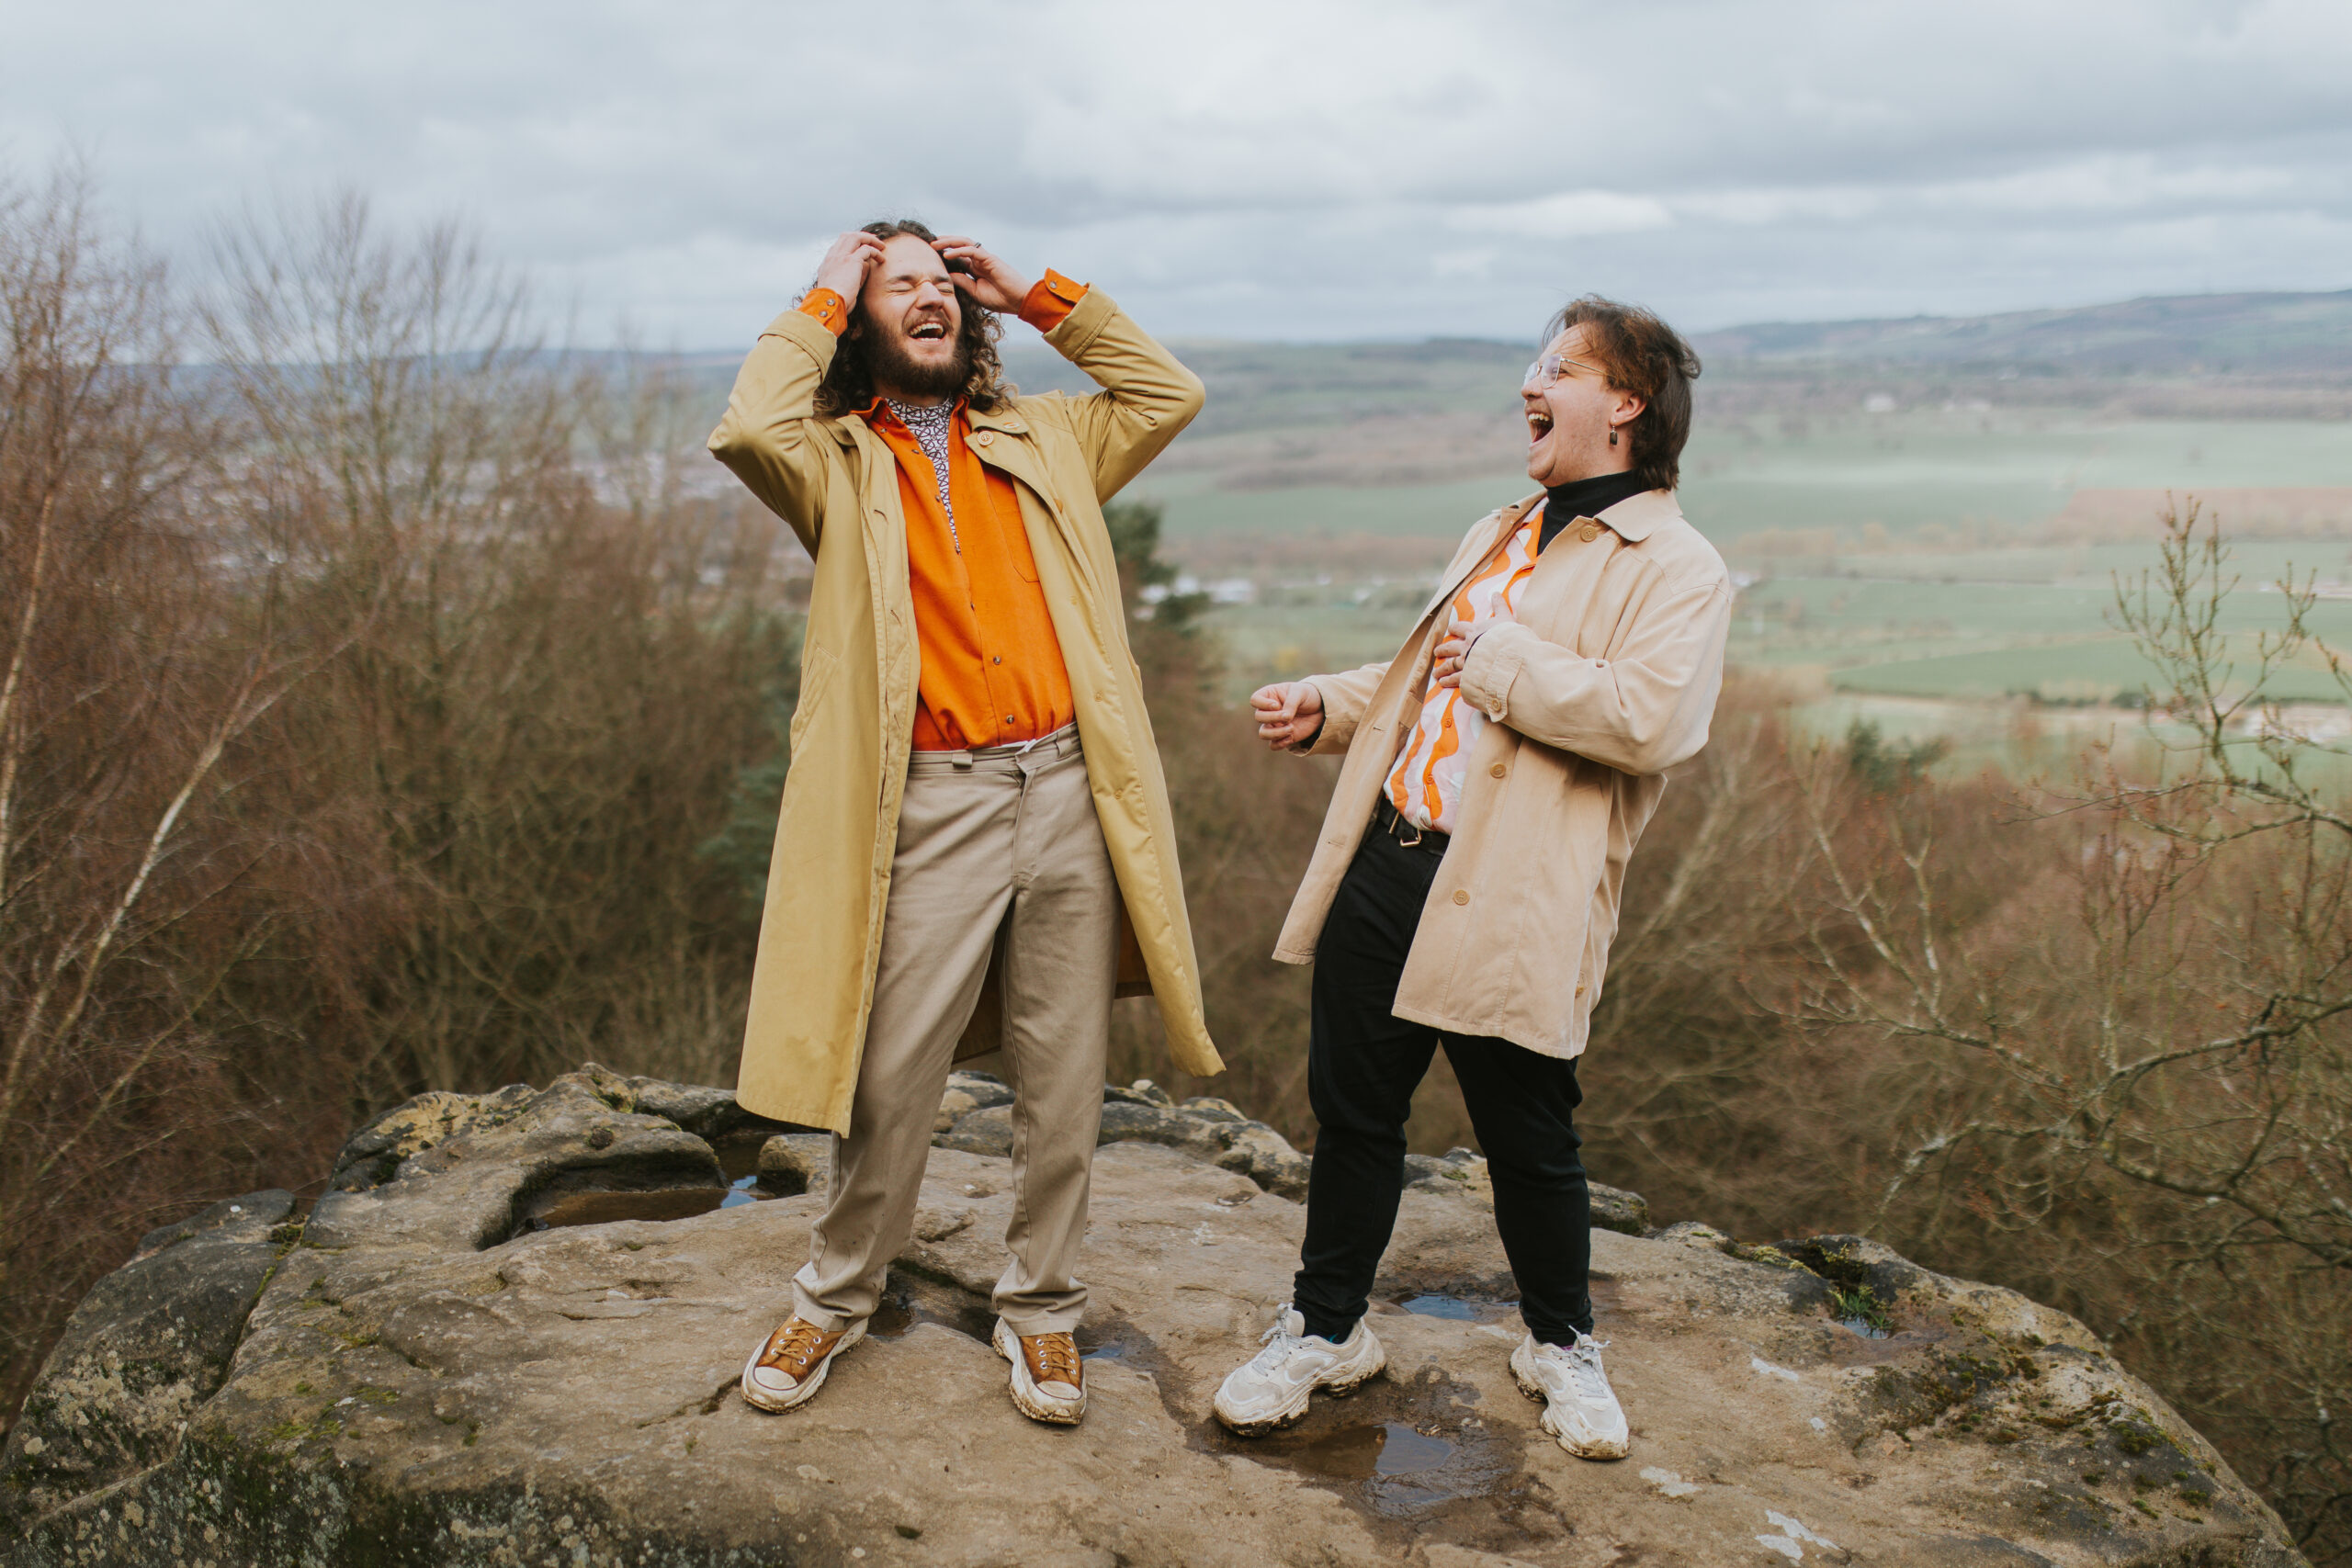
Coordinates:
<point>1962,641</point>
<point>1889,518</point>
<point>1433,512</point>
<point>1901,471</point>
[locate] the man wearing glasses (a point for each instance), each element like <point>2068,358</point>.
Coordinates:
<point>1500,770</point>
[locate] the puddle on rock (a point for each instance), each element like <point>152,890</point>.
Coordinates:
<point>561,1209</point>
<point>604,1208</point>
<point>1459,1309</point>
<point>1862,1326</point>
<point>1400,1451</point>
<point>738,1160</point>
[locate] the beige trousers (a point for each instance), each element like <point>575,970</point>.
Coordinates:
<point>994,847</point>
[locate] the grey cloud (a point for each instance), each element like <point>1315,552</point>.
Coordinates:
<point>1287,167</point>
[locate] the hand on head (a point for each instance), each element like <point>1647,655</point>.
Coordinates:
<point>982,274</point>
<point>990,282</point>
<point>848,261</point>
<point>1289,713</point>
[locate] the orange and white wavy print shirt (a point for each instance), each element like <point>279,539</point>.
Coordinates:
<point>1425,786</point>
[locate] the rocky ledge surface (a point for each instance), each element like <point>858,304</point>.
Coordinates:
<point>486,1345</point>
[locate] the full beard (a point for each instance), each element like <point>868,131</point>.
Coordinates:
<point>895,367</point>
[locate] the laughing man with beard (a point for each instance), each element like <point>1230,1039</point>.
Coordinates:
<point>975,808</point>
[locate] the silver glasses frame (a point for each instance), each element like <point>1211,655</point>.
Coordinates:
<point>1543,372</point>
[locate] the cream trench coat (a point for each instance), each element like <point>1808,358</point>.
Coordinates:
<point>1607,678</point>
<point>836,483</point>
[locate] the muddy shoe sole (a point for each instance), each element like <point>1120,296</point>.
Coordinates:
<point>1025,1397</point>
<point>1533,1388</point>
<point>1374,1365</point>
<point>759,1398</point>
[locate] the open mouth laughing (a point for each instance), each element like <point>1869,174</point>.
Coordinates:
<point>1539,426</point>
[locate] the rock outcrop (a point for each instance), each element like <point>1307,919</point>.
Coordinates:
<point>479,1347</point>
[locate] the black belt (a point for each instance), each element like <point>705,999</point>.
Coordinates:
<point>1429,840</point>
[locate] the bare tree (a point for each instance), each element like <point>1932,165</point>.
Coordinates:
<point>2165,1045</point>
<point>120,709</point>
<point>368,690</point>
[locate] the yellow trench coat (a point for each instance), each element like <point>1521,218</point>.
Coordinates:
<point>836,483</point>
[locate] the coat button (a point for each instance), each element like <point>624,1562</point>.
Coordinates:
<point>1498,769</point>
<point>1580,989</point>
<point>1461,894</point>
<point>985,436</point>
<point>1590,533</point>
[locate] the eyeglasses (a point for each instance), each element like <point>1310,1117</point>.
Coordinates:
<point>1546,370</point>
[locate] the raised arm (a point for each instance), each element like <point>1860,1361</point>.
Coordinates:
<point>1640,711</point>
<point>769,438</point>
<point>1147,397</point>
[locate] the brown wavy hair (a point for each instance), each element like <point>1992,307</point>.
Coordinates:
<point>1641,354</point>
<point>848,384</point>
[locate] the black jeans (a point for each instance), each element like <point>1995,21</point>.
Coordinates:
<point>1363,1064</point>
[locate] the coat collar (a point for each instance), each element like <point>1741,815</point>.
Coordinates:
<point>1007,418</point>
<point>1633,519</point>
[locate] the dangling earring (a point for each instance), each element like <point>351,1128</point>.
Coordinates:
<point>1612,435</point>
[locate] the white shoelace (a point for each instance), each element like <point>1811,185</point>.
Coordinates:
<point>1583,1359</point>
<point>1278,1346</point>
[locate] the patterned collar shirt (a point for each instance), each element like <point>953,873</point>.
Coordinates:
<point>1425,786</point>
<point>933,425</point>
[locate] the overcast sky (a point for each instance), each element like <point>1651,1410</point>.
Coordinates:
<point>1251,168</point>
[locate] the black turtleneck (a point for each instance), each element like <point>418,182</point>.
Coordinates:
<point>1565,503</point>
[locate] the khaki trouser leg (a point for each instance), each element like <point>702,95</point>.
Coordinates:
<point>1008,844</point>
<point>1061,970</point>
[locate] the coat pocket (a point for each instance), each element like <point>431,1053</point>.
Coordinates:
<point>815,676</point>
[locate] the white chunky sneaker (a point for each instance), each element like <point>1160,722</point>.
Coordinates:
<point>1579,1407</point>
<point>1271,1390</point>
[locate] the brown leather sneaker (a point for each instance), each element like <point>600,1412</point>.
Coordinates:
<point>790,1364</point>
<point>1048,1377</point>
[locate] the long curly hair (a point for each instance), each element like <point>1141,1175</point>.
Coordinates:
<point>848,384</point>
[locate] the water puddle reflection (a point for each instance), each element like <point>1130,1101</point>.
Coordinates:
<point>1401,1452</point>
<point>556,1211</point>
<point>738,1160</point>
<point>1458,1309</point>
<point>606,1208</point>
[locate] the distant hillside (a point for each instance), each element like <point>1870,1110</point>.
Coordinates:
<point>1446,410</point>
<point>1261,386</point>
<point>2227,335</point>
<point>2203,356</point>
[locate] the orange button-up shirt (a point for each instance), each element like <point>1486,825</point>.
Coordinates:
<point>993,670</point>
